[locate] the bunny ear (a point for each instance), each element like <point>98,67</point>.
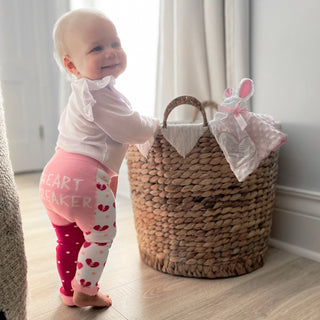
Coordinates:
<point>246,88</point>
<point>228,92</point>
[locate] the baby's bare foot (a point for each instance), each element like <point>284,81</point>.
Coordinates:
<point>99,300</point>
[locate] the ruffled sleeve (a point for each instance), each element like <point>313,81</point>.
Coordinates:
<point>82,90</point>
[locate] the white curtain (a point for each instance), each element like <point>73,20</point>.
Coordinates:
<point>203,48</point>
<point>63,6</point>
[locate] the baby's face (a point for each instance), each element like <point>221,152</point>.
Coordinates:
<point>95,49</point>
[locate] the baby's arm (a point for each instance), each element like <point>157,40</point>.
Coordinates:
<point>125,126</point>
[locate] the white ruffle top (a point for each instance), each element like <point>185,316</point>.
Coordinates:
<point>99,122</point>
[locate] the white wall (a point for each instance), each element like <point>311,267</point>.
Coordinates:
<point>29,79</point>
<point>286,70</point>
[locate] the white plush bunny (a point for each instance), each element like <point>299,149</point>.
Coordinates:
<point>236,102</point>
<point>244,137</point>
<point>245,92</point>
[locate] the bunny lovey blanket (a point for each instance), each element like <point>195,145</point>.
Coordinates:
<point>245,138</point>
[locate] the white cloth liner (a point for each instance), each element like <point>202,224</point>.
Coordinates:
<point>183,137</point>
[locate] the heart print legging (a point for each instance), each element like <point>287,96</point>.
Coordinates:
<point>75,191</point>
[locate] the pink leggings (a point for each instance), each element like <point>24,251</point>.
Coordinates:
<point>75,190</point>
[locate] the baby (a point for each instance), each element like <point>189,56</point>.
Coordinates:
<point>78,185</point>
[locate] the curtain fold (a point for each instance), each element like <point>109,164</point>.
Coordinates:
<point>203,48</point>
<point>62,6</point>
<point>237,39</point>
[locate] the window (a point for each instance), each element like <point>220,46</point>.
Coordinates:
<point>137,26</point>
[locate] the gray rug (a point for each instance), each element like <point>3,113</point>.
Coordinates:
<point>13,266</point>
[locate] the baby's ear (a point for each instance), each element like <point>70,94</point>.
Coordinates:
<point>69,65</point>
<point>246,88</point>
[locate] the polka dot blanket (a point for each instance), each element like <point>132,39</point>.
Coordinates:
<point>246,138</point>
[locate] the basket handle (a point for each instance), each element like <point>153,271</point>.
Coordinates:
<point>184,100</point>
<point>206,103</point>
<point>210,103</point>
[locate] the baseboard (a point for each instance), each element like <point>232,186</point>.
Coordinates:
<point>295,250</point>
<point>296,222</point>
<point>298,200</point>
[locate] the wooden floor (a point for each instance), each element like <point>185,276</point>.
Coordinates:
<point>287,287</point>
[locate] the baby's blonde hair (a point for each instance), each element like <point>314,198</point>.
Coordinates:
<point>63,26</point>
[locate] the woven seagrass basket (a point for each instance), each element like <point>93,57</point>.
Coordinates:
<point>192,216</point>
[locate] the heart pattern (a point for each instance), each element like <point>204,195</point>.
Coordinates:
<point>239,151</point>
<point>85,283</point>
<point>102,244</point>
<point>101,187</point>
<point>100,228</point>
<point>92,264</point>
<point>94,254</point>
<point>103,208</point>
<point>86,244</point>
